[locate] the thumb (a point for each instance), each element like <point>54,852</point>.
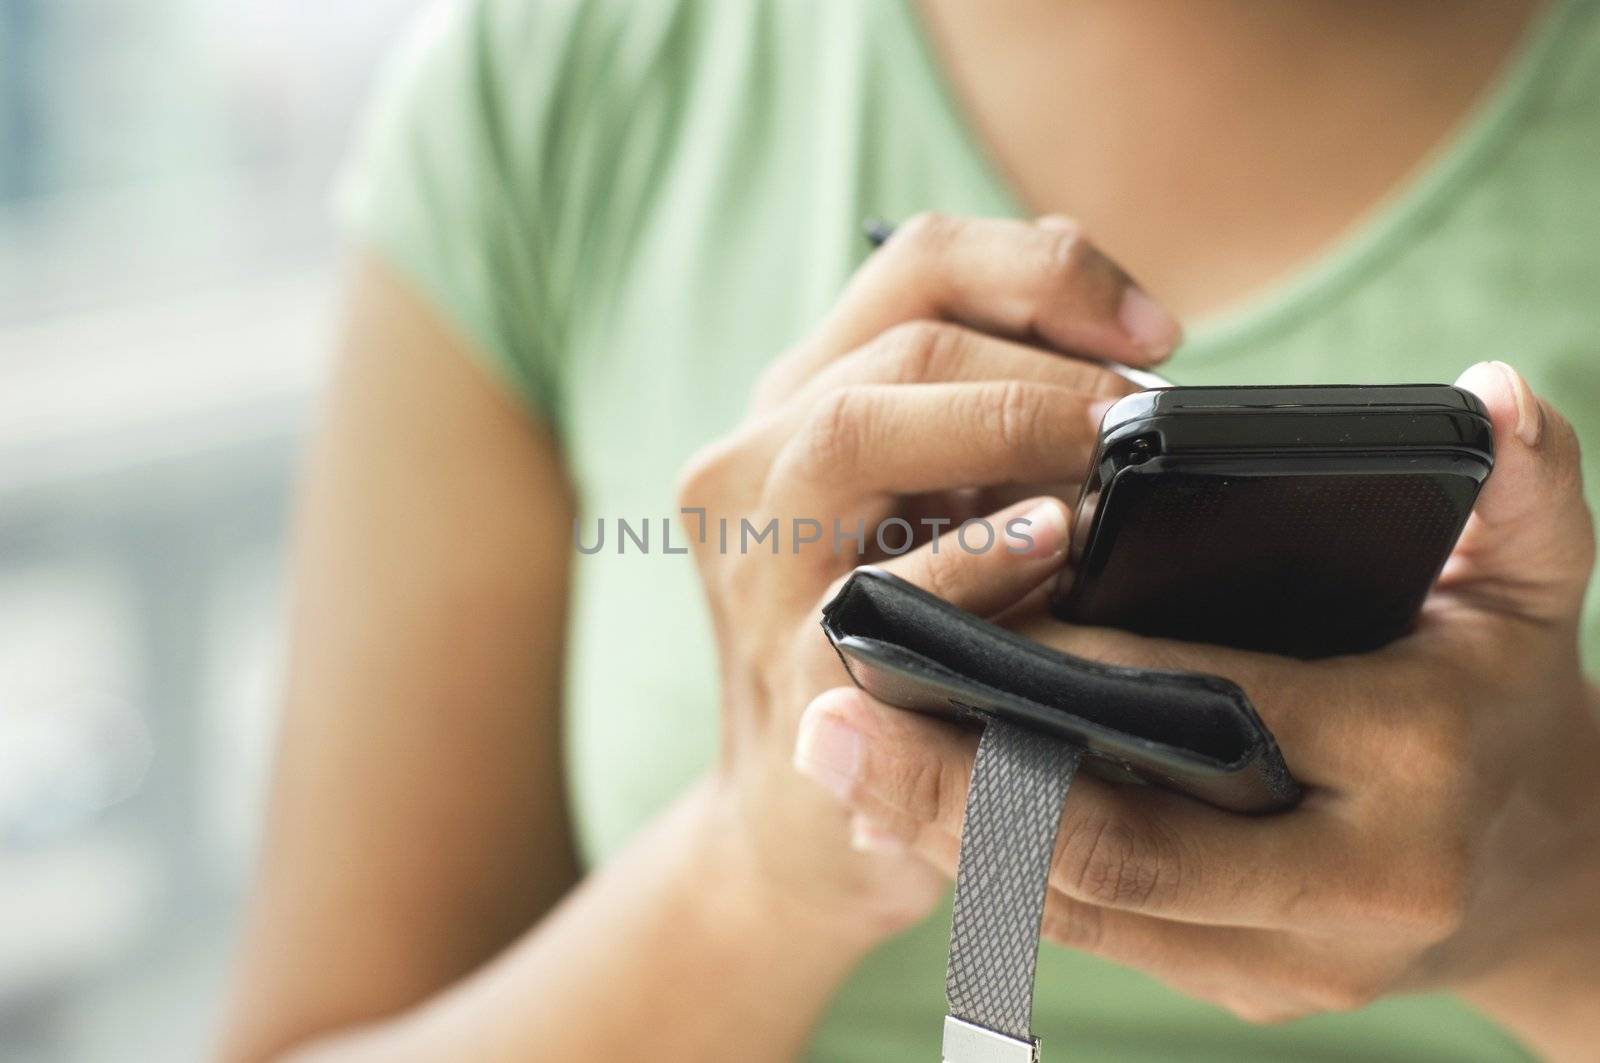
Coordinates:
<point>1008,555</point>
<point>1529,546</point>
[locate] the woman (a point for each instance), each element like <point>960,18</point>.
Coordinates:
<point>533,804</point>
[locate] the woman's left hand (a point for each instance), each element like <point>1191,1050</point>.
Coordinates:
<point>1450,836</point>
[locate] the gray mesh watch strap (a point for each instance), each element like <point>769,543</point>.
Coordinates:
<point>1019,783</point>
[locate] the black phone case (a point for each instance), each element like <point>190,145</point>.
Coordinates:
<point>1298,520</point>
<point>1194,733</point>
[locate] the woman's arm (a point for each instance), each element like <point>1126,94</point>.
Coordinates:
<point>418,820</point>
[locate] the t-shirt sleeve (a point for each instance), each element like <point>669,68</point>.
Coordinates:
<point>439,189</point>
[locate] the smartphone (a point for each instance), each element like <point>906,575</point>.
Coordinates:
<point>1302,520</point>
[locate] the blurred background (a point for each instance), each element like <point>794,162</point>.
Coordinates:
<point>167,279</point>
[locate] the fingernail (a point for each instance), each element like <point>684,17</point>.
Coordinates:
<point>827,750</point>
<point>1155,331</point>
<point>1530,418</point>
<point>1046,525</point>
<point>869,836</point>
<point>1482,378</point>
<point>1096,412</point>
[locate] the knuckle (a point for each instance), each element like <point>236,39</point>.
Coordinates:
<point>1306,898</point>
<point>1069,252</point>
<point>1061,223</point>
<point>1261,1010</point>
<point>1445,750</point>
<point>1104,384</point>
<point>1070,259</point>
<point>1340,993</point>
<point>1108,861</point>
<point>925,233</point>
<point>1565,445</point>
<point>768,386</point>
<point>1438,749</point>
<point>1018,412</point>
<point>702,476</point>
<point>777,381</point>
<point>1582,546</point>
<point>831,438</point>
<point>1074,926</point>
<point>1072,265</point>
<point>1431,739</point>
<point>738,580</point>
<point>1430,904</point>
<point>934,789</point>
<point>919,350</point>
<point>942,572</point>
<point>1261,1006</point>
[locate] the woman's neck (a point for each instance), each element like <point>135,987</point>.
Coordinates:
<point>1215,145</point>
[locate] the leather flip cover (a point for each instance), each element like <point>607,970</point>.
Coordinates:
<point>1186,731</point>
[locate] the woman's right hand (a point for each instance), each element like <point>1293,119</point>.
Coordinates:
<point>940,370</point>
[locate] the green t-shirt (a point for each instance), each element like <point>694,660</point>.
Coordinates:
<point>630,208</point>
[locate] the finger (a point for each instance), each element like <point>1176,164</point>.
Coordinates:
<point>920,352</point>
<point>986,565</point>
<point>934,511</point>
<point>1529,547</point>
<point>1260,975</point>
<point>1329,716</point>
<point>875,442</point>
<point>1040,281</point>
<point>1044,283</point>
<point>925,352</point>
<point>1131,938</point>
<point>1128,848</point>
